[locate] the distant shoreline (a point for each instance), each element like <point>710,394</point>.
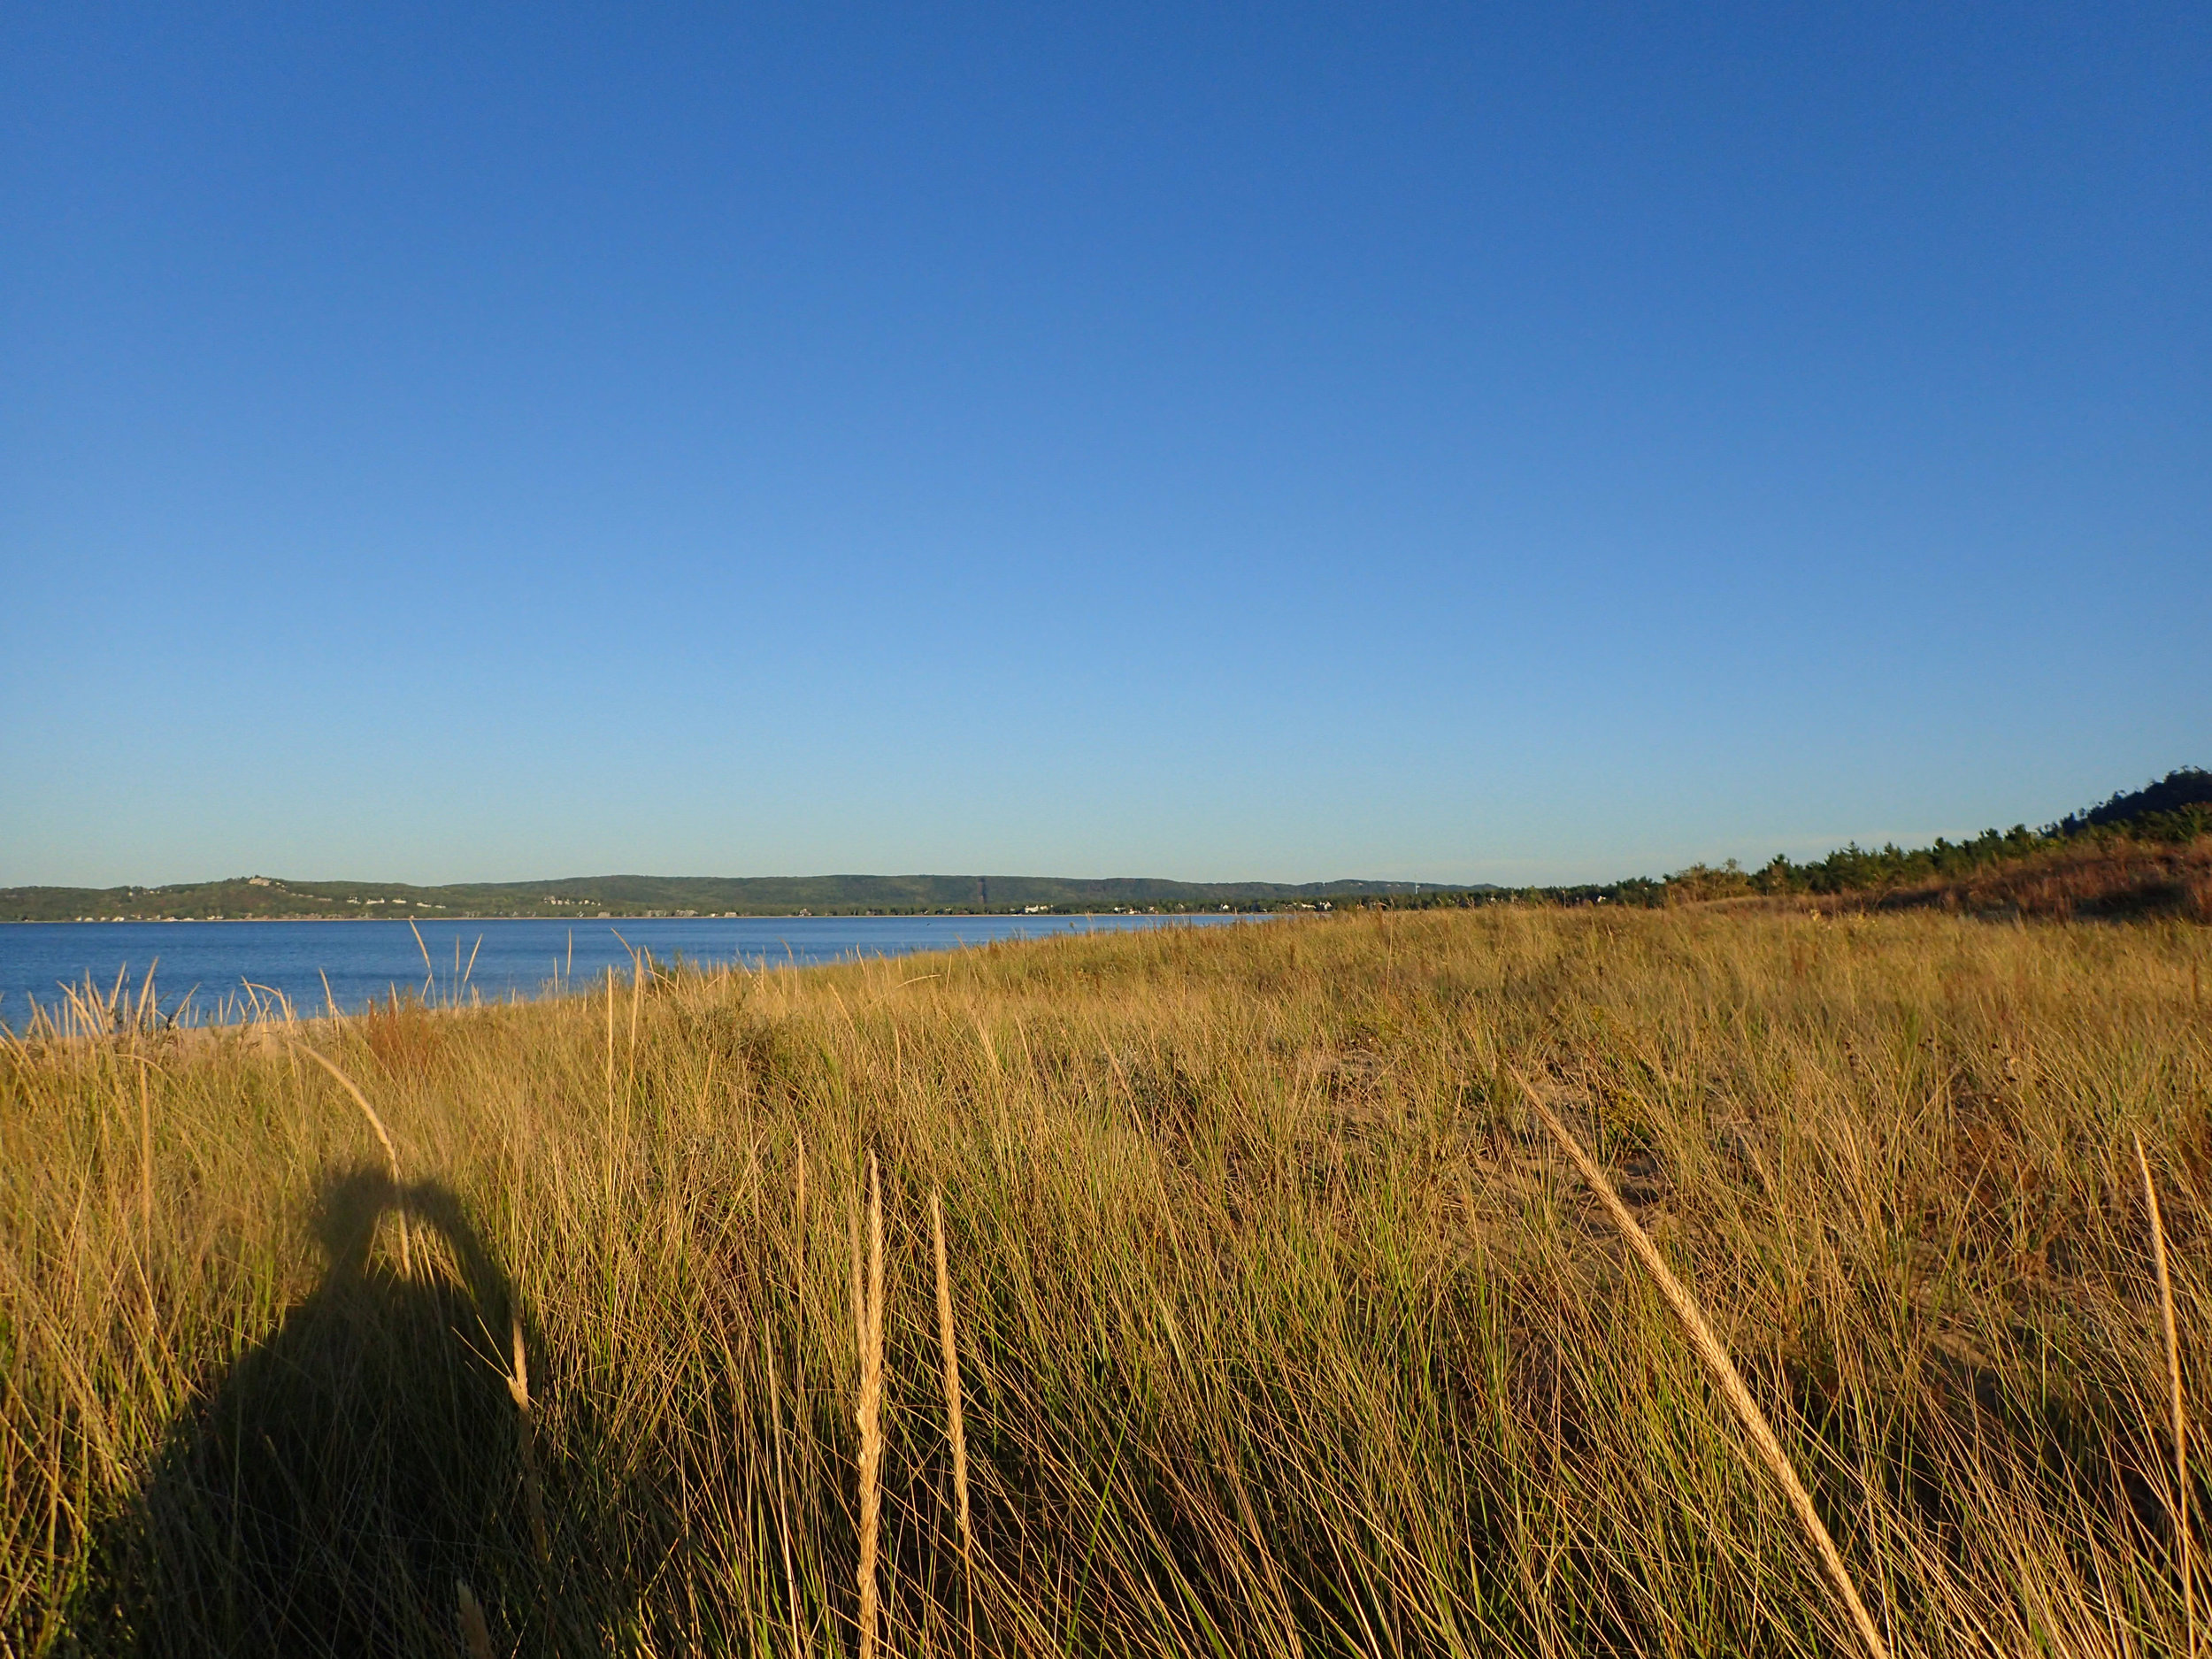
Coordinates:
<point>614,916</point>
<point>742,917</point>
<point>685,898</point>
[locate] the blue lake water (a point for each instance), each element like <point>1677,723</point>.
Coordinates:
<point>211,963</point>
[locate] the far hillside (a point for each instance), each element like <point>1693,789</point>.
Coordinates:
<point>2141,851</point>
<point>2145,851</point>
<point>2176,793</point>
<point>570,898</point>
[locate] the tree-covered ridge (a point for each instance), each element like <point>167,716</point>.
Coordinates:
<point>2169,798</point>
<point>2172,810</point>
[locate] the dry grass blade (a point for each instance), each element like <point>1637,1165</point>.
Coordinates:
<point>533,1488</point>
<point>952,1403</point>
<point>868,1318</point>
<point>637,1004</point>
<point>1714,1355</point>
<point>783,1487</point>
<point>383,1135</point>
<point>474,1631</point>
<point>2179,1401</point>
<point>798,1207</point>
<point>145,1156</point>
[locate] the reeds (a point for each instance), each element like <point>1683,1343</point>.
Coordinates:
<point>475,1632</point>
<point>1258,1329</point>
<point>783,1491</point>
<point>868,1411</point>
<point>526,1437</point>
<point>2185,1567</point>
<point>384,1139</point>
<point>948,1346</point>
<point>1713,1354</point>
<point>145,1153</point>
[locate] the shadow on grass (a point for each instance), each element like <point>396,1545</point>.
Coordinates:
<point>323,1495</point>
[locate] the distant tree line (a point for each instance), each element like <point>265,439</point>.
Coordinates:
<point>2176,808</point>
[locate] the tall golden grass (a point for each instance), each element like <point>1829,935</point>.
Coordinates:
<point>2099,878</point>
<point>1276,1322</point>
<point>1714,1355</point>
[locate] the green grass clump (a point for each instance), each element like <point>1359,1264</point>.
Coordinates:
<point>1282,1325</point>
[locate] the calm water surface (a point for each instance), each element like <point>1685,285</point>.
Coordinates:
<point>206,966</point>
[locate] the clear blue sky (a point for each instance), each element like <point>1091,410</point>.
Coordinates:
<point>1474,442</point>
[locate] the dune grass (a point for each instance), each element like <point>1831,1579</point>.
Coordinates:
<point>1281,1323</point>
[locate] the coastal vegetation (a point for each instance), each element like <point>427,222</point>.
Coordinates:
<point>1255,1290</point>
<point>2141,852</point>
<point>2100,851</point>
<point>574,898</point>
<point>2107,850</point>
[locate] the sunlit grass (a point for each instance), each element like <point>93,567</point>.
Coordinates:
<point>1282,1325</point>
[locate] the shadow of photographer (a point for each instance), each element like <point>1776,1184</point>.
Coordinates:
<point>326,1494</point>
